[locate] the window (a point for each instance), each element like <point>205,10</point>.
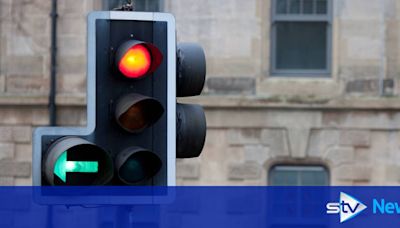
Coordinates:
<point>300,207</point>
<point>282,175</point>
<point>140,5</point>
<point>301,37</point>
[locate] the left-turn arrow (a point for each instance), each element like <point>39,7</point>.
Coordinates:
<point>63,166</point>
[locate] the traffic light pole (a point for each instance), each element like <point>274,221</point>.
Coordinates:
<point>53,67</point>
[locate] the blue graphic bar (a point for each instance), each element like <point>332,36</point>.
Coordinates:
<point>195,207</point>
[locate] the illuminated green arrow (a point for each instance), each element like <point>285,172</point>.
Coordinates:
<point>63,166</point>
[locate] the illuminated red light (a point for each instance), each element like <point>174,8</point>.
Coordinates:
<point>136,62</point>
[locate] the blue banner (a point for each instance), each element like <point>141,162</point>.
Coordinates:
<point>195,207</point>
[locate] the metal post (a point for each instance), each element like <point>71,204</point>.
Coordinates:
<point>53,66</point>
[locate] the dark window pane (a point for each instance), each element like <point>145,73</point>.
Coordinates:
<point>314,178</point>
<point>281,6</point>
<point>321,6</point>
<point>308,6</point>
<point>294,6</point>
<point>301,45</point>
<point>298,176</point>
<point>283,178</point>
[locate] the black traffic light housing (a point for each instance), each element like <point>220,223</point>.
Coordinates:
<point>135,130</point>
<point>131,117</point>
<point>191,120</point>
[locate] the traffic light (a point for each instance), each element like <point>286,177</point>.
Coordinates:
<point>130,138</point>
<point>191,121</point>
<point>135,130</point>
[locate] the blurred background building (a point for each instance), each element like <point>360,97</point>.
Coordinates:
<point>299,92</point>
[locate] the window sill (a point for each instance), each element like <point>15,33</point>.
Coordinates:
<point>42,100</point>
<point>258,102</point>
<point>314,86</point>
<point>301,75</point>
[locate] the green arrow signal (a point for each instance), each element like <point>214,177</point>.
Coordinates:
<point>63,166</point>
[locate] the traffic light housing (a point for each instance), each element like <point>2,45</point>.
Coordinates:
<point>191,120</point>
<point>134,129</point>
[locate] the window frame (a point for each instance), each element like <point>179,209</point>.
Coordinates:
<point>275,17</point>
<point>298,168</point>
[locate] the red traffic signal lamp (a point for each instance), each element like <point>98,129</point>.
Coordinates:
<point>136,59</point>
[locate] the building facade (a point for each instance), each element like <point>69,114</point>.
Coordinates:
<point>298,92</point>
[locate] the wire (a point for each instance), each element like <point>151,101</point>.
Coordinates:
<point>128,6</point>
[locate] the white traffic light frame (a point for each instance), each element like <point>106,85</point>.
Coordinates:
<point>91,104</point>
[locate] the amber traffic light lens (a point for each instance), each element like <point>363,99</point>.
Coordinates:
<point>135,112</point>
<point>136,117</point>
<point>136,62</point>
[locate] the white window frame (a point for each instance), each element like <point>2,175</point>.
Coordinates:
<point>301,18</point>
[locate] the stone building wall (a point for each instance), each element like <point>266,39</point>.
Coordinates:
<point>349,122</point>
